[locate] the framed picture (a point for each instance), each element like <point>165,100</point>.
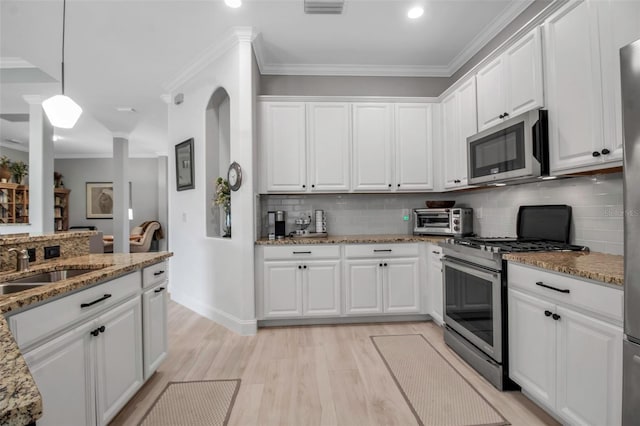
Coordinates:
<point>184,165</point>
<point>99,200</point>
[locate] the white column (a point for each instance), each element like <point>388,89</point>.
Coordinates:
<point>41,215</point>
<point>120,194</point>
<point>163,199</point>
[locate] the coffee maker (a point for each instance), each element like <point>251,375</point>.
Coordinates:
<point>277,228</point>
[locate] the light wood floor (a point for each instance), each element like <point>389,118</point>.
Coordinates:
<point>316,375</point>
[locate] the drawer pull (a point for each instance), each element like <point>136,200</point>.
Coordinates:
<point>561,290</point>
<point>435,252</point>
<point>86,305</point>
<point>301,252</point>
<point>547,313</point>
<point>556,317</point>
<point>158,290</point>
<point>95,332</point>
<point>155,274</point>
<point>382,251</point>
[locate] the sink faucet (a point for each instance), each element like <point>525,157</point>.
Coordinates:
<point>22,259</point>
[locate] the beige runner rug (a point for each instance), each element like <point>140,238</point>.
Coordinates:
<point>193,403</point>
<point>435,391</point>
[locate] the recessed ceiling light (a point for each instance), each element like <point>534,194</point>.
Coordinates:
<point>549,177</point>
<point>500,184</point>
<point>125,109</point>
<point>12,140</point>
<point>233,3</point>
<point>56,138</point>
<point>415,12</point>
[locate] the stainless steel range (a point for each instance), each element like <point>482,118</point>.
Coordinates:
<point>475,286</point>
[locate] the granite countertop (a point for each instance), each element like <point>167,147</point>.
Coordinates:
<point>354,239</point>
<point>20,400</point>
<point>11,239</point>
<point>607,268</point>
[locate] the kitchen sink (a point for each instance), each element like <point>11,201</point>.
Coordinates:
<point>47,277</point>
<point>7,288</point>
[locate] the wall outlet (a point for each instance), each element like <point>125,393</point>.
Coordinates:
<point>478,212</point>
<point>51,252</point>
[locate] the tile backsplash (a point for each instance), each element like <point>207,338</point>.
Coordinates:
<point>596,200</point>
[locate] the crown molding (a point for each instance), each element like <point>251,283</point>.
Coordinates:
<point>14,62</point>
<point>492,30</point>
<point>355,70</point>
<point>230,39</point>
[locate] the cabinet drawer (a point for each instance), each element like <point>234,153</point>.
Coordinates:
<point>35,324</point>
<point>155,274</point>
<point>381,250</point>
<point>301,252</point>
<point>600,299</point>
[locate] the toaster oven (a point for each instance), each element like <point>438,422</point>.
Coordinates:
<point>452,221</point>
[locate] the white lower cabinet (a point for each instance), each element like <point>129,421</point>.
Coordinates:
<point>435,285</point>
<point>376,286</point>
<point>63,371</point>
<point>566,359</point>
<point>154,327</point>
<point>88,374</point>
<point>301,288</point>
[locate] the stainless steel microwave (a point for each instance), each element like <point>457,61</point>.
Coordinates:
<point>514,150</point>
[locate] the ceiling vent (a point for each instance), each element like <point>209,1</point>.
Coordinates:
<point>323,7</point>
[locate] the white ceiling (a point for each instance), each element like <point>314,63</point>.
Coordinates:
<point>124,53</point>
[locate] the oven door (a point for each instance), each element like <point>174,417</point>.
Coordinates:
<point>473,304</point>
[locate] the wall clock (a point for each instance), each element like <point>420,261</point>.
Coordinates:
<point>234,176</point>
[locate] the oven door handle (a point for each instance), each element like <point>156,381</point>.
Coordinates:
<point>470,269</point>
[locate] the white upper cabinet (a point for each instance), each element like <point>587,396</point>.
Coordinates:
<point>414,146</point>
<point>619,25</point>
<point>372,137</point>
<point>459,121</point>
<point>511,84</point>
<point>329,146</point>
<point>284,143</point>
<point>583,82</point>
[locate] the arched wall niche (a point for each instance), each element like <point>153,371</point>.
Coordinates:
<point>217,151</point>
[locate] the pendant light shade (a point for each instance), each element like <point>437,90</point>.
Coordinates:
<point>61,110</point>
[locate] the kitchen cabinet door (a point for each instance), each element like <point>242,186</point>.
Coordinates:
<point>321,288</point>
<point>283,133</point>
<point>329,131</point>
<point>363,286</point>
<point>574,92</point>
<point>63,372</point>
<point>532,346</point>
<point>154,320</point>
<point>118,358</point>
<point>589,369</point>
<point>372,138</point>
<point>282,290</point>
<point>619,25</point>
<point>401,288</point>
<point>459,121</point>
<point>492,84</point>
<point>523,62</point>
<point>434,265</point>
<point>414,147</point>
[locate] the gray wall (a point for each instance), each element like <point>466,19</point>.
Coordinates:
<point>299,85</point>
<point>144,184</point>
<point>596,201</point>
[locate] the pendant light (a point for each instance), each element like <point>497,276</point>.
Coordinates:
<point>61,110</point>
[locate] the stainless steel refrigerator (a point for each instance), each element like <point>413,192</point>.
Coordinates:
<point>630,73</point>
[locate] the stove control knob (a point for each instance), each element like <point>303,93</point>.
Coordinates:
<point>456,221</point>
<point>456,228</point>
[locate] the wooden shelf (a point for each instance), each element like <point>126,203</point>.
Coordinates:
<point>14,205</point>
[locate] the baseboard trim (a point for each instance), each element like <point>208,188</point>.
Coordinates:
<point>233,323</point>
<point>342,320</point>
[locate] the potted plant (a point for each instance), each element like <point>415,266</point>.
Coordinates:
<point>5,168</point>
<point>19,171</point>
<point>223,198</point>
